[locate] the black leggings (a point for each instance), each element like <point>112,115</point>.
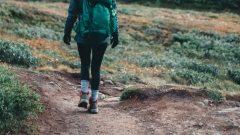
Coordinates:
<point>98,51</point>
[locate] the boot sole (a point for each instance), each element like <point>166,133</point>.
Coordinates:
<point>93,111</point>
<point>83,104</point>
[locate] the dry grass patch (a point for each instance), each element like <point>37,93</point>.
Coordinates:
<point>187,19</point>
<point>53,8</point>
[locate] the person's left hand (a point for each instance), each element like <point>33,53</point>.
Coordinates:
<point>67,39</point>
<point>114,41</point>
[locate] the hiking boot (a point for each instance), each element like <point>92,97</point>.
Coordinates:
<point>84,100</point>
<point>93,108</point>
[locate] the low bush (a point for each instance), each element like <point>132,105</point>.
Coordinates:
<point>66,1</point>
<point>38,32</point>
<point>125,78</point>
<point>11,11</point>
<point>18,103</point>
<point>186,63</point>
<point>126,93</point>
<point>212,93</point>
<point>109,58</point>
<point>125,11</point>
<point>213,46</point>
<point>146,59</point>
<point>73,65</point>
<point>153,30</point>
<point>224,85</point>
<point>125,39</point>
<point>234,75</point>
<point>206,4</point>
<point>200,67</point>
<point>17,53</point>
<point>190,77</point>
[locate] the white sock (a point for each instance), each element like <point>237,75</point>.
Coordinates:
<point>94,95</point>
<point>84,86</point>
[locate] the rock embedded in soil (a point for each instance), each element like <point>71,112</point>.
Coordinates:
<point>206,102</point>
<point>102,96</point>
<point>109,81</point>
<point>118,88</point>
<point>113,99</point>
<point>201,103</point>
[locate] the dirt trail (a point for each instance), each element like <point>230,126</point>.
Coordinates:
<point>169,110</point>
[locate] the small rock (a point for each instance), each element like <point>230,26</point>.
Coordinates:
<point>230,123</point>
<point>230,110</point>
<point>114,99</point>
<point>109,81</point>
<point>102,96</point>
<point>127,86</point>
<point>206,101</point>
<point>52,83</point>
<point>101,82</point>
<point>216,134</point>
<point>237,104</point>
<point>118,88</point>
<point>201,103</point>
<point>131,112</point>
<point>200,124</point>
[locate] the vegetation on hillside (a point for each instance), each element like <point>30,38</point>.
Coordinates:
<point>190,4</point>
<point>17,53</point>
<point>199,49</point>
<point>18,103</point>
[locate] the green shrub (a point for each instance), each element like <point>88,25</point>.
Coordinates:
<point>212,93</point>
<point>200,67</point>
<point>73,65</point>
<point>215,4</point>
<point>125,11</point>
<point>126,93</point>
<point>186,63</point>
<point>38,32</point>
<point>9,10</point>
<point>109,58</point>
<point>125,39</point>
<point>126,78</point>
<point>18,53</point>
<point>146,59</point>
<point>234,75</point>
<point>190,77</point>
<point>18,103</point>
<point>66,1</point>
<point>224,85</point>
<point>158,21</point>
<point>213,46</point>
<point>71,49</point>
<point>153,30</point>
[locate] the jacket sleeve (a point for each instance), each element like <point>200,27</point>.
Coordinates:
<point>73,12</point>
<point>115,7</point>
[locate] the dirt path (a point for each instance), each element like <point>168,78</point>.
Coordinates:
<point>169,110</point>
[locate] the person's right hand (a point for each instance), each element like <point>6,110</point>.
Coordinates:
<point>67,39</point>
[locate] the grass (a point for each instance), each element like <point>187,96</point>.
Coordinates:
<point>159,43</point>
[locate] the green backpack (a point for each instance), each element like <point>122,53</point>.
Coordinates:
<point>97,21</point>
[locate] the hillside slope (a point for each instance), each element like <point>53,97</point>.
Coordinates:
<point>182,65</point>
<point>168,110</point>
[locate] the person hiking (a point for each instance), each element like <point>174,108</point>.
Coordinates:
<point>92,39</point>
